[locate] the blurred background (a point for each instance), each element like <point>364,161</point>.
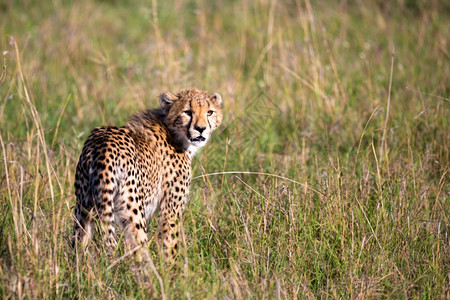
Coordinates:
<point>338,109</point>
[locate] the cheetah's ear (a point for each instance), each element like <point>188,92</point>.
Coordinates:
<point>217,98</point>
<point>166,99</point>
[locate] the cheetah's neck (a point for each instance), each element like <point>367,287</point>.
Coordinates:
<point>141,122</point>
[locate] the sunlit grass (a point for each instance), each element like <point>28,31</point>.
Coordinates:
<point>313,186</point>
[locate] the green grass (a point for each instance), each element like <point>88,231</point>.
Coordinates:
<point>349,192</point>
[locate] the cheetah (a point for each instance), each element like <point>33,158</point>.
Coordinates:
<point>127,174</point>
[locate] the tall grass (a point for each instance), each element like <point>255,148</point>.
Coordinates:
<point>328,178</point>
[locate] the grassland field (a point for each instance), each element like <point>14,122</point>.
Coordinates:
<point>329,177</point>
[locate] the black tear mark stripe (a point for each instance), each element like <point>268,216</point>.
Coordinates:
<point>209,124</point>
<point>190,121</point>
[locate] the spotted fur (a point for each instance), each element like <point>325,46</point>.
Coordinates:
<point>126,174</point>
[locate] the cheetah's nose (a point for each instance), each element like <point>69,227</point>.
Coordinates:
<point>200,128</point>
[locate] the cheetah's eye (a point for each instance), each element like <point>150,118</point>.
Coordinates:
<point>188,112</point>
<point>210,113</point>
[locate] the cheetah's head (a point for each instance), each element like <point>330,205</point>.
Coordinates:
<point>191,116</point>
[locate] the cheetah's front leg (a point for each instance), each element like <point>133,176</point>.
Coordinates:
<point>169,223</point>
<point>131,214</point>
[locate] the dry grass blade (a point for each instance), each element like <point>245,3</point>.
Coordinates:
<point>147,259</point>
<point>262,174</point>
<point>3,75</point>
<point>383,146</point>
<point>355,196</point>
